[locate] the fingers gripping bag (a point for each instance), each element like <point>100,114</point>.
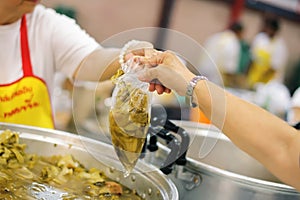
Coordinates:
<point>129,115</point>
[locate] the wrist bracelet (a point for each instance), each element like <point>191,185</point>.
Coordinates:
<point>190,90</point>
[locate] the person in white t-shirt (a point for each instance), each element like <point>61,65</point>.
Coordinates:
<point>223,49</point>
<point>269,54</point>
<point>35,43</point>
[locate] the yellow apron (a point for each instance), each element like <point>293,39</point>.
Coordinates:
<point>260,67</point>
<point>26,101</point>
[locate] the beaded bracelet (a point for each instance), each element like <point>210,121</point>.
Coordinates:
<point>124,51</point>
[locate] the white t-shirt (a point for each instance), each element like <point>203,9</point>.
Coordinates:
<point>223,54</point>
<point>276,48</point>
<point>56,43</point>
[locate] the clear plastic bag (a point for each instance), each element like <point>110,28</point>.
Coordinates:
<point>129,115</point>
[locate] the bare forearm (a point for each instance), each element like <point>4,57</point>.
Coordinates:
<point>99,65</point>
<point>103,63</point>
<point>267,138</point>
<point>239,119</point>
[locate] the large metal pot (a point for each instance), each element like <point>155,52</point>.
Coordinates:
<point>223,172</point>
<point>146,179</point>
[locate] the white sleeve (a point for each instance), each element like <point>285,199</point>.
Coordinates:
<point>230,54</point>
<point>279,56</point>
<point>70,43</point>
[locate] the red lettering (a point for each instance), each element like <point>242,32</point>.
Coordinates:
<point>23,108</point>
<point>20,92</point>
<point>20,109</point>
<point>15,111</point>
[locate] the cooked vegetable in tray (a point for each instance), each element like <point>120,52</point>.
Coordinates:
<point>30,176</point>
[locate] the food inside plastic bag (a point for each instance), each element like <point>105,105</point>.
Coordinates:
<point>129,115</point>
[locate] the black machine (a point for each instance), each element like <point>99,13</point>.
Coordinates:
<point>162,128</point>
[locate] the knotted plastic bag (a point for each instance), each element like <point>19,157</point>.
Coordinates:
<point>129,115</point>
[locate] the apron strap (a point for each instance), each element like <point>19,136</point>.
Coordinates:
<point>26,62</point>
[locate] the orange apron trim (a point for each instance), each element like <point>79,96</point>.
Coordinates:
<point>26,101</point>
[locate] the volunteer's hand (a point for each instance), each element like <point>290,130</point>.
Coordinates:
<point>168,69</point>
<point>142,48</point>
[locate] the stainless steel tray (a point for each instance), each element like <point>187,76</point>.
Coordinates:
<point>224,171</point>
<point>146,179</point>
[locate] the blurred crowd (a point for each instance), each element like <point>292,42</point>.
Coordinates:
<point>257,67</point>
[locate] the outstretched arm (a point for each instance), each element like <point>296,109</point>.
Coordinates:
<point>103,63</point>
<point>100,65</point>
<point>262,135</point>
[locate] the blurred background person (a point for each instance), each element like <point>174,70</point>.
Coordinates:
<point>269,54</point>
<point>266,73</point>
<point>224,52</point>
<point>225,62</point>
